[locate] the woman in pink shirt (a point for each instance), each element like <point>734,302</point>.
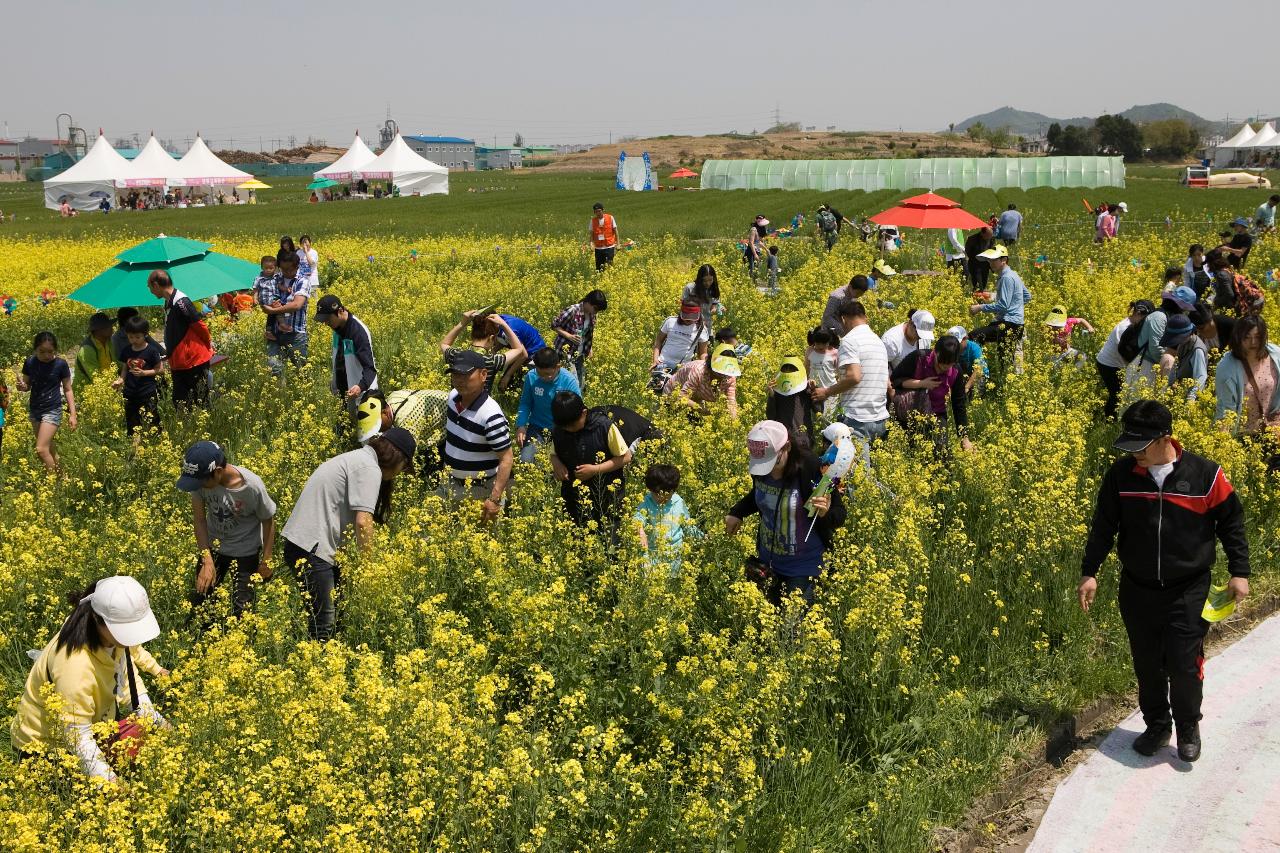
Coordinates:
<point>702,382</point>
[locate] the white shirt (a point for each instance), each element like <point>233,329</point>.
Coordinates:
<point>822,368</point>
<point>896,345</point>
<point>866,401</point>
<point>1160,472</point>
<point>682,341</point>
<point>1109,355</point>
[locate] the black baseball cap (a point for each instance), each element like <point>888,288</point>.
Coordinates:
<point>1144,422</point>
<point>465,362</point>
<point>403,441</point>
<point>327,307</point>
<point>199,463</point>
<point>597,206</point>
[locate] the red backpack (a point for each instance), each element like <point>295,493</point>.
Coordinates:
<point>1249,297</point>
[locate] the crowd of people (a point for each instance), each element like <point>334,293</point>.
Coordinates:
<point>848,389</point>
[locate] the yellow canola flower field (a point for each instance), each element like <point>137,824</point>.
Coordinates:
<point>524,691</point>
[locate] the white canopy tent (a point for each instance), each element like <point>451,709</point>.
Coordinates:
<point>409,171</point>
<point>1265,138</point>
<point>153,167</point>
<point>347,167</point>
<point>1226,153</point>
<point>88,181</point>
<point>200,167</point>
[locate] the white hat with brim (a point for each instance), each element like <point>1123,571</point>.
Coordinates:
<point>123,605</point>
<point>958,332</point>
<point>764,443</point>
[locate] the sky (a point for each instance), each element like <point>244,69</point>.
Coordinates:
<point>247,75</point>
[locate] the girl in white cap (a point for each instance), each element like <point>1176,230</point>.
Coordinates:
<point>93,660</point>
<point>796,526</point>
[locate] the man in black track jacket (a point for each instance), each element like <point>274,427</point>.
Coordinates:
<point>1169,508</point>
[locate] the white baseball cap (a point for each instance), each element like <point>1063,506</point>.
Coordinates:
<point>1123,207</point>
<point>124,607</point>
<point>764,442</point>
<point>958,332</point>
<point>924,323</point>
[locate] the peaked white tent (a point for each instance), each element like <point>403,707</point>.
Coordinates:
<point>1266,137</point>
<point>348,166</point>
<point>200,167</point>
<point>1226,152</point>
<point>409,171</point>
<point>153,167</point>
<point>88,181</point>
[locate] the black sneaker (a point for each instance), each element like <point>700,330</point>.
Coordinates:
<point>1189,743</point>
<point>1153,738</point>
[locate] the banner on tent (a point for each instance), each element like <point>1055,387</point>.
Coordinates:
<point>635,175</point>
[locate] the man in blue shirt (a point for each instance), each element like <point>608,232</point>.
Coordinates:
<point>1009,228</point>
<point>533,418</point>
<point>1009,305</point>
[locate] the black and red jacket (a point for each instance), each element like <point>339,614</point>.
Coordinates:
<point>1167,535</point>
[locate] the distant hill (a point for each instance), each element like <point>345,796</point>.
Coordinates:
<point>1033,124</point>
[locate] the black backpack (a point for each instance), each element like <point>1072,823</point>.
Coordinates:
<point>1128,345</point>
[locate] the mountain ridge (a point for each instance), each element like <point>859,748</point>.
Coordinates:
<point>1028,123</point>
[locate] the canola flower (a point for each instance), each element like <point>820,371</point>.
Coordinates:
<point>524,691</point>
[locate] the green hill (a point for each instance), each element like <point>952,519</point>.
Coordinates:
<point>1028,123</point>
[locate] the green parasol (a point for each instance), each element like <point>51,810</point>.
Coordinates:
<point>199,273</point>
<point>322,183</point>
<point>163,250</point>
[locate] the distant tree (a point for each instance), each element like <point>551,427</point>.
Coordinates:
<point>1118,135</point>
<point>518,142</point>
<point>1070,140</point>
<point>951,128</point>
<point>1171,138</point>
<point>977,131</point>
<point>1000,137</point>
<point>785,127</point>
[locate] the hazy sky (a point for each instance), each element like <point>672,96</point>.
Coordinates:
<point>561,71</point>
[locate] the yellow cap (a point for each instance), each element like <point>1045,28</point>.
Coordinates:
<point>1057,317</point>
<point>369,419</point>
<point>792,377</point>
<point>724,360</point>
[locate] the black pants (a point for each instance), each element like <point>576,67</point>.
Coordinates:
<point>604,257</point>
<point>320,580</point>
<point>781,587</point>
<point>595,501</point>
<point>241,569</point>
<point>136,411</point>
<point>979,273</point>
<point>1111,381</point>
<point>191,387</point>
<point>1166,637</point>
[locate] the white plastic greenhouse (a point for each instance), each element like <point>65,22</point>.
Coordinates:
<point>930,173</point>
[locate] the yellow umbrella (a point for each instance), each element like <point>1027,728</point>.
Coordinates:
<point>255,184</point>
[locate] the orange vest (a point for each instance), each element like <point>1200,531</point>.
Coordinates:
<point>603,232</point>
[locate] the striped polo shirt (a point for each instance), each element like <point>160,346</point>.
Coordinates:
<point>474,437</point>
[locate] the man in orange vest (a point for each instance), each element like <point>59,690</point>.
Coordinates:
<point>604,236</point>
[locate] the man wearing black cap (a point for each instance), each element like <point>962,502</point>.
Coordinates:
<point>477,438</point>
<point>1167,506</point>
<point>354,370</point>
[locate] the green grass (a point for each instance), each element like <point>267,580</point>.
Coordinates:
<point>559,204</point>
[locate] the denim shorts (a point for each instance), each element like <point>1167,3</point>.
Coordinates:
<point>54,417</point>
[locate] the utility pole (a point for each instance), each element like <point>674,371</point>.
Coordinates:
<point>777,114</point>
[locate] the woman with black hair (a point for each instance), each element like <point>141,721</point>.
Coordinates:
<point>93,659</point>
<point>797,528</point>
<point>933,376</point>
<point>350,490</point>
<point>1248,383</point>
<point>287,249</point>
<point>705,291</point>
